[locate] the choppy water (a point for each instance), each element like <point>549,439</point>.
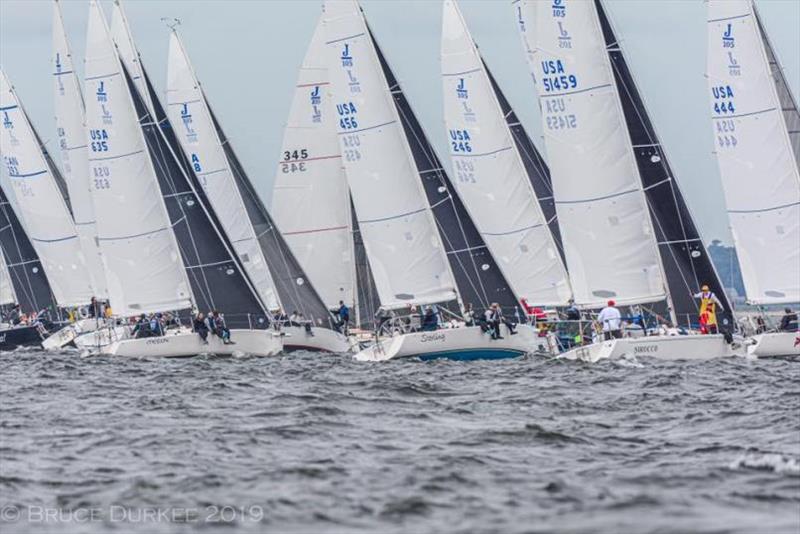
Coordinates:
<point>309,443</point>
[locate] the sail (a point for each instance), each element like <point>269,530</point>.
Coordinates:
<point>188,108</point>
<point>405,254</point>
<point>71,129</point>
<point>602,210</point>
<point>367,300</point>
<point>31,287</point>
<point>7,295</point>
<point>143,265</point>
<point>491,177</point>
<point>123,39</point>
<point>752,112</point>
<point>684,257</point>
<point>310,200</point>
<point>41,203</point>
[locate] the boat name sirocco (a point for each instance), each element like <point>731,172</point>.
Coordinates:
<point>426,338</point>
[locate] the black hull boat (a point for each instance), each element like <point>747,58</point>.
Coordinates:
<point>12,337</point>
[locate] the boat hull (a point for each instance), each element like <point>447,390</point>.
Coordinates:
<point>319,340</point>
<point>19,336</point>
<point>691,347</point>
<point>66,335</point>
<point>102,337</point>
<point>184,343</point>
<point>774,344</point>
<point>464,343</point>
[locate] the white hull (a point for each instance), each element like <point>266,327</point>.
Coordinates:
<point>102,337</point>
<point>183,343</point>
<point>774,344</point>
<point>69,333</point>
<point>691,347</point>
<point>322,340</point>
<point>464,343</point>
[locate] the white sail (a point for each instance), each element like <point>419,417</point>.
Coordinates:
<point>143,265</point>
<point>609,242</point>
<point>7,295</point>
<point>310,200</point>
<point>123,38</point>
<point>188,108</point>
<point>490,175</point>
<point>40,203</point>
<point>405,254</point>
<point>71,129</point>
<point>756,160</point>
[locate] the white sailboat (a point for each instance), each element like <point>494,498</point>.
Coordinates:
<point>628,234</point>
<point>421,244</point>
<point>151,215</point>
<point>757,140</point>
<point>226,186</point>
<point>490,174</point>
<point>41,202</point>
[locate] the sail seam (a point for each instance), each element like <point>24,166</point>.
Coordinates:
<point>365,129</point>
<point>606,197</point>
<point>774,208</point>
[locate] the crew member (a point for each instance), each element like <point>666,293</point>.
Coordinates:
<point>199,325</point>
<point>611,321</point>
<point>709,306</point>
<point>789,321</point>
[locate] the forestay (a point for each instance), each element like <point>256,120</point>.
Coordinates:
<point>31,287</point>
<point>71,130</point>
<point>752,112</point>
<point>608,237</point>
<point>188,109</point>
<point>144,268</point>
<point>40,202</point>
<point>490,175</point>
<point>310,200</point>
<point>406,256</point>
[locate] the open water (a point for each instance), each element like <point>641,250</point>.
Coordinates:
<point>310,443</point>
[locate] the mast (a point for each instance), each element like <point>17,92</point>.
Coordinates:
<point>41,202</point>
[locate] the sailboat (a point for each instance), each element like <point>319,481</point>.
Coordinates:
<point>162,244</point>
<point>492,178</point>
<point>269,261</point>
<point>422,246</point>
<point>628,233</point>
<point>28,285</point>
<point>43,205</point>
<point>757,140</point>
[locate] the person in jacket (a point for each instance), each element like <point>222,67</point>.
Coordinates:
<point>221,330</point>
<point>789,321</point>
<point>610,320</point>
<point>709,306</point>
<point>200,327</point>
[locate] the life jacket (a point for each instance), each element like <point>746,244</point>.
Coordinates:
<point>708,307</point>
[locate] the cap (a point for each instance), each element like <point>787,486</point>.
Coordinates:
<point>611,303</point>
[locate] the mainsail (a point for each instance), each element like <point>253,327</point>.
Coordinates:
<point>31,287</point>
<point>756,135</point>
<point>310,200</point>
<point>188,108</point>
<point>71,129</point>
<point>41,203</point>
<point>491,176</point>
<point>405,253</point>
<point>214,271</point>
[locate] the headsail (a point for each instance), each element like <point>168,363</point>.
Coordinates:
<point>405,254</point>
<point>71,129</point>
<point>144,267</point>
<point>31,287</point>
<point>602,210</point>
<point>753,113</point>
<point>7,294</point>
<point>188,107</point>
<point>310,200</point>
<point>491,177</point>
<point>41,203</point>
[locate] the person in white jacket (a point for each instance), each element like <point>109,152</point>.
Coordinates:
<point>611,320</point>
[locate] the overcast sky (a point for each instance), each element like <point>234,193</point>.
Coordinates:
<point>246,54</point>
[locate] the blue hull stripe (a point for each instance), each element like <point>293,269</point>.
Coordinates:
<point>473,354</point>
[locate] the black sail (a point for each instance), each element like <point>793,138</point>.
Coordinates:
<point>367,298</point>
<point>295,290</point>
<point>24,267</point>
<point>535,166</point>
<point>479,279</point>
<point>216,275</point>
<point>686,261</point>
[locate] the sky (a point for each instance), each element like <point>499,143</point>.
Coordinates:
<point>246,54</point>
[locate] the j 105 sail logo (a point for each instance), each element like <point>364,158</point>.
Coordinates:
<point>186,119</point>
<point>727,37</point>
<point>559,9</point>
<point>8,125</point>
<point>347,59</point>
<point>564,39</point>
<point>102,98</point>
<point>58,74</point>
<point>734,69</point>
<point>461,89</point>
<point>316,102</point>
